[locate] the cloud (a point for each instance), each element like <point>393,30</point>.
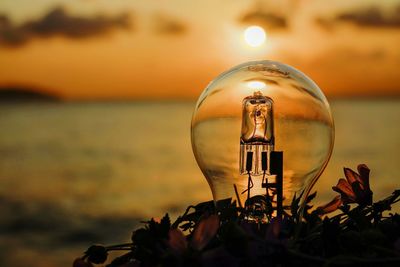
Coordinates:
<point>325,23</point>
<point>59,23</point>
<point>268,20</point>
<point>168,25</point>
<point>371,16</point>
<point>342,54</point>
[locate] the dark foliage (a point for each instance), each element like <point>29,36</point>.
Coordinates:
<point>220,234</point>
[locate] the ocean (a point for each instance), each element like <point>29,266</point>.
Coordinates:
<point>77,173</point>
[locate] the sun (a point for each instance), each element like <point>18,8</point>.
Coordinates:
<point>254,36</point>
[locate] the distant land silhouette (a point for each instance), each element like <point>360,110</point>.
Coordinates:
<point>25,94</point>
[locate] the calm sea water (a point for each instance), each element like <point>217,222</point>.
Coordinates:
<point>73,174</point>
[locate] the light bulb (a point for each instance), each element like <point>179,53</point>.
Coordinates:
<point>251,116</point>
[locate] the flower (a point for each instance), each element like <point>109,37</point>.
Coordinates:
<point>97,254</point>
<point>203,233</point>
<point>355,189</point>
<point>329,207</point>
<point>177,241</point>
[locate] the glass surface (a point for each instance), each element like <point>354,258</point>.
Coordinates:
<point>262,105</point>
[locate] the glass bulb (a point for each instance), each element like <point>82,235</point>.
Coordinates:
<point>251,111</point>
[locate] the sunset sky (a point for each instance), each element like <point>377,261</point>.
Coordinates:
<point>158,49</point>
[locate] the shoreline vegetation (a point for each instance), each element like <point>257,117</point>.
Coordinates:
<point>14,94</point>
<point>23,94</point>
<point>361,232</point>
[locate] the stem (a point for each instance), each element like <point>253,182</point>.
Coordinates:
<point>113,249</point>
<point>180,218</point>
<point>237,196</point>
<point>120,245</point>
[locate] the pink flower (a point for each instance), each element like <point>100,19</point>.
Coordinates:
<point>203,233</point>
<point>329,207</point>
<point>177,241</point>
<point>355,189</point>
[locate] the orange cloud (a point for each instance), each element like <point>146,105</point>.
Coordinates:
<point>372,16</point>
<point>266,19</point>
<point>59,23</point>
<point>164,24</point>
